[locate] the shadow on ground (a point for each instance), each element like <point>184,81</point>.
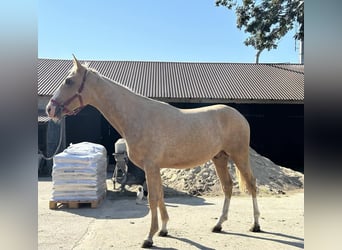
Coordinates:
<point>120,204</point>
<point>288,239</point>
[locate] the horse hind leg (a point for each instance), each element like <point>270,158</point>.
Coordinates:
<point>247,179</point>
<point>220,161</point>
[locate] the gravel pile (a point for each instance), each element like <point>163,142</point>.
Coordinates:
<point>202,180</point>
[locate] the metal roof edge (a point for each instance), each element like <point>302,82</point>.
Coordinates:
<point>227,101</point>
<point>180,62</point>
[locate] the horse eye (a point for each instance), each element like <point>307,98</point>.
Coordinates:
<point>68,81</point>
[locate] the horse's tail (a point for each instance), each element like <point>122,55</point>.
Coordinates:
<point>249,184</point>
<point>241,180</point>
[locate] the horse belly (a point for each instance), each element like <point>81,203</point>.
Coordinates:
<point>189,153</point>
<point>185,162</point>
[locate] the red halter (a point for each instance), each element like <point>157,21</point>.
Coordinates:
<point>63,105</point>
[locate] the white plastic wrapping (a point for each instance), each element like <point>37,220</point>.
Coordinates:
<point>79,173</point>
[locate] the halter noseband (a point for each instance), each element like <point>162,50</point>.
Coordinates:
<point>63,105</point>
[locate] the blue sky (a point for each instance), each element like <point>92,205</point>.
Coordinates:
<point>177,30</point>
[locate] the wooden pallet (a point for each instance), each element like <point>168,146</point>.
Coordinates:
<point>76,203</point>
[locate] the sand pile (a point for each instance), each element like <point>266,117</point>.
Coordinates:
<point>202,180</point>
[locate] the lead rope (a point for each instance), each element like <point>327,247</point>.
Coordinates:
<point>61,128</point>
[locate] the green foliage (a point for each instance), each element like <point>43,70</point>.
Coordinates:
<point>267,21</point>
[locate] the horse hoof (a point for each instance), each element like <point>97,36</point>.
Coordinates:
<point>163,233</point>
<point>255,228</point>
<point>217,229</point>
<point>147,244</point>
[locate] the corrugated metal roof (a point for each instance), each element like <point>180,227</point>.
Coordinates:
<point>182,81</point>
<point>42,116</point>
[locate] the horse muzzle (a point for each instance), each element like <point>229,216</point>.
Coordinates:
<point>54,111</point>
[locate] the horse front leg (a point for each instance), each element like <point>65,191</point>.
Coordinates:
<point>154,187</point>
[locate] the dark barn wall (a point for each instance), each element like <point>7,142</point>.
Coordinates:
<point>44,168</point>
<point>85,126</point>
<point>109,137</point>
<point>42,132</point>
<point>48,140</point>
<point>90,125</point>
<point>277,132</point>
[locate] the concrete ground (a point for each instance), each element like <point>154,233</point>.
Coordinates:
<point>119,223</point>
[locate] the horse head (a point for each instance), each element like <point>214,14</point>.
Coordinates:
<point>67,100</point>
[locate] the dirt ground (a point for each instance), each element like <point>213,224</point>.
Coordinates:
<point>119,223</point>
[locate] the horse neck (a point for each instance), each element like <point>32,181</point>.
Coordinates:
<point>114,102</point>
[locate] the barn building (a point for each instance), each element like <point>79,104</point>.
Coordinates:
<point>270,96</point>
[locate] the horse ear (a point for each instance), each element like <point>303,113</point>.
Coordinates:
<point>76,62</point>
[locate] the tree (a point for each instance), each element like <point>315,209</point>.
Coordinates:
<point>267,21</point>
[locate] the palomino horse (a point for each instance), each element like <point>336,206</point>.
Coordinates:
<point>159,135</point>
